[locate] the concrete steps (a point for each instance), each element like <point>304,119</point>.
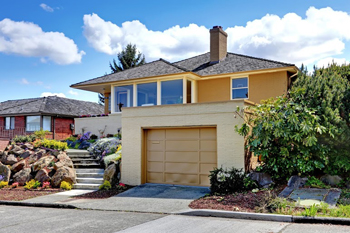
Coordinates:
<point>89,173</point>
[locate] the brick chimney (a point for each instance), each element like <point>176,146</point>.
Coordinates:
<point>218,44</point>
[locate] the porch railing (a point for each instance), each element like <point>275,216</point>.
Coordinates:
<point>11,133</point>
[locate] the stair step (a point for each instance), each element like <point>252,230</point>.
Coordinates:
<point>87,164</point>
<point>90,180</point>
<point>89,170</point>
<point>86,186</point>
<point>83,156</point>
<point>84,159</point>
<point>90,175</point>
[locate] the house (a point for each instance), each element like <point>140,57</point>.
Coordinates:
<point>178,118</point>
<point>52,113</point>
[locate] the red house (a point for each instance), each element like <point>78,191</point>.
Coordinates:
<point>55,114</point>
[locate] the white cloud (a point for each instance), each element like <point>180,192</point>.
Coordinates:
<point>46,7</point>
<point>45,94</point>
<point>72,92</point>
<point>293,39</point>
<point>325,62</point>
<point>28,39</point>
<point>24,81</point>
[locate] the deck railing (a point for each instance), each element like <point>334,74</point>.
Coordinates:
<point>11,133</point>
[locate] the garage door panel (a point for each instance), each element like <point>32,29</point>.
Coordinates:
<point>204,180</point>
<point>208,145</point>
<point>207,157</point>
<point>181,179</point>
<point>181,145</point>
<point>180,157</point>
<point>154,177</point>
<point>156,134</point>
<point>182,134</point>
<point>181,167</point>
<point>155,145</point>
<point>155,166</point>
<point>208,133</point>
<point>206,168</point>
<point>155,156</point>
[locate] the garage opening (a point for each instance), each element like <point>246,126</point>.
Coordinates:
<point>183,156</point>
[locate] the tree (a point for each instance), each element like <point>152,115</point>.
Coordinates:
<point>129,57</point>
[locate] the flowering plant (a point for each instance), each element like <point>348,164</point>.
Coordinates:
<point>121,186</point>
<point>46,185</point>
<point>1,177</point>
<point>15,185</point>
<point>104,147</point>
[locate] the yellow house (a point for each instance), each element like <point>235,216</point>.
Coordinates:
<point>178,118</point>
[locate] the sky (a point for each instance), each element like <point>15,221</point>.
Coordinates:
<point>47,45</point>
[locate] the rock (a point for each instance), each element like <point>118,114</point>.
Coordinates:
<point>111,174</point>
<point>296,182</point>
<point>29,146</point>
<point>63,174</point>
<point>62,155</point>
<point>331,180</point>
<point>43,162</point>
<point>5,172</point>
<point>63,162</point>
<point>35,157</point>
<point>43,175</point>
<point>22,176</point>
<point>10,159</point>
<point>263,179</point>
<point>3,155</point>
<point>19,166</point>
<point>26,154</point>
<point>17,150</point>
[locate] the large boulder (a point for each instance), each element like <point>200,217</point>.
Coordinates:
<point>296,182</point>
<point>5,172</point>
<point>331,180</point>
<point>10,159</point>
<point>111,174</point>
<point>43,175</point>
<point>63,162</point>
<point>22,176</point>
<point>26,154</point>
<point>263,179</point>
<point>17,150</point>
<point>19,165</point>
<point>35,157</point>
<point>62,155</point>
<point>43,162</point>
<point>63,174</point>
<point>28,146</point>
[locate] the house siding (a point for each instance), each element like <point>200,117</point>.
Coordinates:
<point>62,127</point>
<point>213,90</point>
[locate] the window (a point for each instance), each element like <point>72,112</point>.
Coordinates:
<point>172,92</point>
<point>10,123</point>
<point>33,123</point>
<point>123,97</point>
<point>240,88</point>
<point>147,94</point>
<point>47,123</point>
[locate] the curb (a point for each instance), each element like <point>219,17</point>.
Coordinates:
<point>266,217</point>
<point>45,205</point>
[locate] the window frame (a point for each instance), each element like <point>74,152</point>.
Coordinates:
<point>11,126</point>
<point>41,122</point>
<point>231,88</point>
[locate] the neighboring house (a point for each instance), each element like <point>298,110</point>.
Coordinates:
<point>54,114</point>
<point>178,118</point>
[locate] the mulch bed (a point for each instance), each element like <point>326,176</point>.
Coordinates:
<point>20,194</point>
<point>100,194</point>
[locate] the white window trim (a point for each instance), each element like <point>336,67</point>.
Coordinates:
<point>10,125</point>
<point>247,77</point>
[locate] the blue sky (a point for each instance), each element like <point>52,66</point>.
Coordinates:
<point>45,46</point>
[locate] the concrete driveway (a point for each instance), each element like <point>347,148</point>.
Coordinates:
<point>152,198</point>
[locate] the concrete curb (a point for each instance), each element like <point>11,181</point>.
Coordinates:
<point>45,205</point>
<point>266,217</point>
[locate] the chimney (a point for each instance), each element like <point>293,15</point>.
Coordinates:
<point>218,44</point>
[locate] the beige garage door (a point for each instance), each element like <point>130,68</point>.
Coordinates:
<point>180,156</point>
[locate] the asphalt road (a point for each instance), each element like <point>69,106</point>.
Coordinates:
<point>30,219</point>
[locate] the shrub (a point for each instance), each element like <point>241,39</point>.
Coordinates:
<point>32,184</point>
<point>24,138</point>
<point>113,157</point>
<point>226,181</point>
<point>41,134</point>
<point>51,144</point>
<point>46,185</point>
<point>313,182</point>
<point>15,185</point>
<point>104,146</point>
<point>71,138</point>
<point>3,184</point>
<point>121,186</point>
<point>65,185</point>
<point>105,186</point>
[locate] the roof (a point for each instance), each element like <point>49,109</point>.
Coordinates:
<point>51,105</point>
<point>199,65</point>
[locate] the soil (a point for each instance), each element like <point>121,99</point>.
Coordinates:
<point>20,194</point>
<point>101,194</point>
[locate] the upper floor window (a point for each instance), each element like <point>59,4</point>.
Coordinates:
<point>147,94</point>
<point>10,123</point>
<point>240,88</point>
<point>172,92</point>
<point>123,97</point>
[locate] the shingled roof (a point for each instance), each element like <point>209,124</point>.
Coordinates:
<point>51,105</point>
<point>199,65</point>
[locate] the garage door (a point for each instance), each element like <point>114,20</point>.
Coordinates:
<point>180,156</point>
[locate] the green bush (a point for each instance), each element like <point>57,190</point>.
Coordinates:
<point>71,138</point>
<point>51,144</point>
<point>226,181</point>
<point>24,138</point>
<point>65,185</point>
<point>105,186</point>
<point>32,184</point>
<point>313,182</point>
<point>41,134</point>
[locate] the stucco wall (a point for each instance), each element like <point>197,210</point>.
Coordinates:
<point>110,123</point>
<point>264,86</point>
<point>213,90</point>
<point>230,146</point>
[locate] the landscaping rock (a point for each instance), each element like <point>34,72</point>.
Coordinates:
<point>331,180</point>
<point>34,157</point>
<point>18,166</point>
<point>10,159</point>
<point>22,176</point>
<point>5,172</point>
<point>111,174</point>
<point>63,174</point>
<point>43,162</point>
<point>26,154</point>
<point>3,155</point>
<point>28,146</point>
<point>296,182</point>
<point>17,150</point>
<point>43,175</point>
<point>62,155</point>
<point>63,162</point>
<point>263,179</point>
